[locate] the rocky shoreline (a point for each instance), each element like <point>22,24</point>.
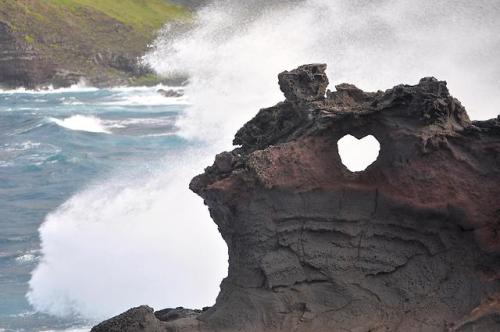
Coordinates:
<point>410,244</point>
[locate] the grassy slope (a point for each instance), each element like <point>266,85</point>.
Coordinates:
<point>143,15</point>
<point>72,32</point>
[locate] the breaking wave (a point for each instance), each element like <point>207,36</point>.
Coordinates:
<point>79,87</point>
<point>135,239</point>
<point>86,123</point>
<point>145,100</point>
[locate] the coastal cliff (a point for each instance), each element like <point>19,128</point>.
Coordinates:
<point>60,42</point>
<point>410,244</point>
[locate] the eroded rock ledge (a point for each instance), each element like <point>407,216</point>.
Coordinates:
<point>410,244</point>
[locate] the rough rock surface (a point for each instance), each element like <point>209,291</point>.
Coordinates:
<point>410,244</point>
<point>170,93</point>
<point>144,318</point>
<point>20,64</point>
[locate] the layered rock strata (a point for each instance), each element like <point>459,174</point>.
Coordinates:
<point>410,244</point>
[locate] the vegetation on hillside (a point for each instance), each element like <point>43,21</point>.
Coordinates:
<point>97,38</point>
<point>143,15</point>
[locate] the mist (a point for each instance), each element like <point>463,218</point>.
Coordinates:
<point>235,50</point>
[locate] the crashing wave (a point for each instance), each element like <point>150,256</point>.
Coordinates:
<point>78,122</point>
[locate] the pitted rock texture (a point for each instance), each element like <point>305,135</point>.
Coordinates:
<point>144,318</point>
<point>410,244</point>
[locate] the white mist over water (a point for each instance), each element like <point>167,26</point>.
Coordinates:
<point>149,240</point>
<point>236,49</point>
<point>129,241</point>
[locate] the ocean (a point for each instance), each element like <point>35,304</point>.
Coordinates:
<point>52,145</point>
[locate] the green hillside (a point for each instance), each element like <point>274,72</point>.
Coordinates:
<point>65,39</point>
<point>142,15</point>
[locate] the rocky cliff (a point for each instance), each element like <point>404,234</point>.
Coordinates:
<point>410,244</point>
<point>59,42</point>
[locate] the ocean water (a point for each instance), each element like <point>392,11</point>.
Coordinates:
<point>52,145</point>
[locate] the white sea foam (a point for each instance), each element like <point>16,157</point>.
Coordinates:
<point>149,240</point>
<point>73,102</point>
<point>129,241</point>
<point>140,122</point>
<point>79,87</point>
<point>155,99</point>
<point>25,258</point>
<point>136,89</point>
<point>29,257</point>
<point>144,96</point>
<point>94,124</point>
<point>28,145</point>
<point>79,122</point>
<point>159,135</point>
<point>4,163</point>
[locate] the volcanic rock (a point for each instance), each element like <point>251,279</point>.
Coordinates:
<point>306,83</point>
<point>21,64</point>
<point>412,243</point>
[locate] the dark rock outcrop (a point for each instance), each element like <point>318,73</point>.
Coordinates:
<point>306,83</point>
<point>410,244</point>
<point>20,64</point>
<point>171,93</point>
<point>136,319</point>
<point>144,318</point>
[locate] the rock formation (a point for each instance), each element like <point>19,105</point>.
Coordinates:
<point>410,244</point>
<point>20,64</point>
<point>171,93</point>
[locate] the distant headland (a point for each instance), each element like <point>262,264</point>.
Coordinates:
<point>59,42</point>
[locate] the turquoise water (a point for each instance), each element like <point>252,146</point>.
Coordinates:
<point>54,143</point>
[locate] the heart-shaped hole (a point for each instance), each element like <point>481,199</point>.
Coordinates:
<point>358,154</point>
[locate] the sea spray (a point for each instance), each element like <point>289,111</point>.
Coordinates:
<point>118,245</point>
<point>234,51</point>
<point>129,241</point>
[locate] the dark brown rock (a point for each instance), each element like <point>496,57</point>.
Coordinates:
<point>306,83</point>
<point>136,319</point>
<point>410,244</point>
<point>169,315</point>
<point>144,318</point>
<point>171,93</point>
<point>20,64</point>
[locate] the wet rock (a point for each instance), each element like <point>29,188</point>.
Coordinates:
<point>168,315</point>
<point>144,318</point>
<point>171,93</point>
<point>137,319</point>
<point>64,78</point>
